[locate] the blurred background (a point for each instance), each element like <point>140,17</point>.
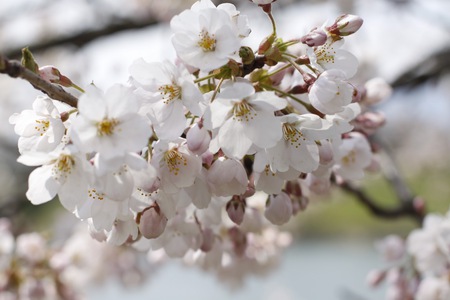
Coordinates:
<point>405,42</point>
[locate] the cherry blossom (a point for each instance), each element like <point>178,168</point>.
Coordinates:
<point>205,38</point>
<point>109,123</point>
<point>240,114</point>
<point>40,129</point>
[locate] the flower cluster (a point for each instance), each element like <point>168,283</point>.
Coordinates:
<point>179,158</point>
<point>419,267</point>
<point>32,268</point>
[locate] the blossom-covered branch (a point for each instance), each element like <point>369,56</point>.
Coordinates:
<point>14,69</point>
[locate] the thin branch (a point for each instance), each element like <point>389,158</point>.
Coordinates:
<point>82,38</point>
<point>431,67</point>
<point>404,208</point>
<point>14,69</point>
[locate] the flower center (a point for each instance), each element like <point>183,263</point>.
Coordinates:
<point>62,167</point>
<point>94,195</point>
<point>350,158</point>
<point>207,42</point>
<point>242,111</point>
<point>106,126</point>
<point>170,92</point>
<point>292,135</point>
<point>325,54</point>
<point>42,126</point>
<point>173,160</point>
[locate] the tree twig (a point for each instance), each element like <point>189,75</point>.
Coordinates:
<point>14,69</point>
<point>403,209</point>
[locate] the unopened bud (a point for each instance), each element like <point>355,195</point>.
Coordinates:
<point>236,209</point>
<point>376,90</point>
<point>53,75</point>
<point>369,122</point>
<point>247,55</point>
<point>375,277</point>
<point>266,44</point>
<point>419,205</point>
<point>299,89</point>
<point>278,209</point>
<point>207,158</point>
<point>28,61</point>
<point>345,25</point>
<point>208,240</point>
<point>250,189</point>
<point>308,78</point>
<point>64,116</point>
<point>293,188</point>
<point>239,240</point>
<point>318,185</point>
<point>314,38</point>
<point>326,153</point>
<point>198,139</point>
<point>152,222</point>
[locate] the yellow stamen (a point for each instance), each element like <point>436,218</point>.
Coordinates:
<point>42,126</point>
<point>292,135</point>
<point>207,42</point>
<point>242,111</point>
<point>106,126</point>
<point>170,92</point>
<point>173,160</point>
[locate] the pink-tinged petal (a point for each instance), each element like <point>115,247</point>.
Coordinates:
<point>92,105</point>
<point>41,186</point>
<point>232,139</point>
<point>264,130</point>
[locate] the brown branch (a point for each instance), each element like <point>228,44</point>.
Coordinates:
<point>82,38</point>
<point>14,69</point>
<point>405,207</point>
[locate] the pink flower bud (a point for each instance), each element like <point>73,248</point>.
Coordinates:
<point>299,204</point>
<point>375,277</point>
<point>345,25</point>
<point>278,209</point>
<point>208,240</point>
<point>314,38</point>
<point>239,240</point>
<point>369,122</point>
<point>419,205</point>
<point>152,222</point>
<point>376,90</point>
<point>326,153</point>
<point>198,139</point>
<point>293,188</point>
<point>318,185</point>
<point>49,73</point>
<point>207,158</point>
<point>236,209</point>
